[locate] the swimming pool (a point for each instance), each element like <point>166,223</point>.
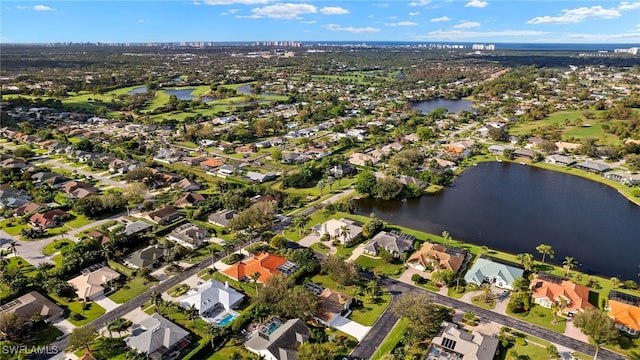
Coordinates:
<point>226,319</point>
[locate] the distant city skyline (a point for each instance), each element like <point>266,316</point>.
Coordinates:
<point>489,21</point>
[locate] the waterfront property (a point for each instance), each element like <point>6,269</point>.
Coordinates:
<point>344,230</point>
<point>623,177</point>
<point>624,309</point>
<point>561,160</point>
<point>593,166</point>
<point>492,272</point>
<point>394,242</point>
<point>549,290</point>
<point>455,343</point>
<point>276,339</point>
<point>437,257</point>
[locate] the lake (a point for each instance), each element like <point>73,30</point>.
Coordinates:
<point>246,90</point>
<point>454,106</point>
<point>138,90</point>
<point>514,208</point>
<point>183,94</point>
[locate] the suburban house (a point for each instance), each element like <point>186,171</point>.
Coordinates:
<point>548,290</point>
<point>278,340</point>
<point>158,338</point>
<point>266,264</point>
<point>90,283</point>
<point>29,208</point>
<point>394,242</point>
<point>561,160</point>
<point>145,257</point>
<point>623,177</point>
<point>259,177</point>
<point>136,227</point>
<point>489,271</point>
<point>343,230</point>
<point>33,303</point>
<point>496,149</point>
<point>211,298</point>
<point>99,235</point>
<point>624,309</point>
<point>46,220</point>
<point>188,235</point>
<point>456,343</point>
<point>189,199</point>
<point>79,189</point>
<point>222,217</point>
<point>360,159</point>
<point>342,170</point>
<point>12,197</point>
<point>166,215</point>
<point>210,164</point>
<point>524,153</point>
<point>331,305</point>
<point>187,185</point>
<point>592,166</point>
<point>437,257</point>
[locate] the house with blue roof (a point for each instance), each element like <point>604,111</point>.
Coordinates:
<point>494,273</point>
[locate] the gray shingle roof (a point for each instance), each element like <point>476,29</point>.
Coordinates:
<point>155,333</point>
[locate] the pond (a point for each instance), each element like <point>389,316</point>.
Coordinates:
<point>454,106</point>
<point>138,90</point>
<point>514,208</point>
<point>182,94</point>
<point>246,90</point>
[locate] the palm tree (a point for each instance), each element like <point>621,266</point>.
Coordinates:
<point>193,312</point>
<point>321,186</point>
<point>300,222</point>
<point>374,289</point>
<point>555,307</point>
<point>345,233</point>
<point>526,260</point>
<point>12,247</point>
<point>213,252</point>
<point>552,352</point>
<point>156,299</point>
<point>615,282</point>
<point>214,331</point>
<point>545,250</point>
<point>486,292</point>
<point>254,277</point>
<point>446,237</point>
<point>569,264</point>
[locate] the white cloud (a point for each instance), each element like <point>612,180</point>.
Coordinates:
<point>233,11</point>
<point>458,34</point>
<point>420,3</point>
<point>284,11</point>
<point>574,16</point>
<point>466,25</point>
<point>230,2</point>
<point>334,10</point>
<point>402,23</point>
<point>477,4</point>
<point>414,13</point>
<point>441,19</point>
<point>629,6</point>
<point>42,8</point>
<point>351,29</point>
<point>248,17</point>
<point>309,22</point>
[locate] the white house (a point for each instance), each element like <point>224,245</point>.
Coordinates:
<point>334,228</point>
<point>188,235</point>
<point>211,298</point>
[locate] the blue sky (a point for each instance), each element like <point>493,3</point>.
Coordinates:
<point>543,21</point>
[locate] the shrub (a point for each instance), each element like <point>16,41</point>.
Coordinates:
<point>232,259</point>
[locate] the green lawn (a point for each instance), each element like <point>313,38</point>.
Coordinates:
<point>56,246</point>
<point>202,253</point>
<point>41,337</point>
<point>106,348</point>
<point>229,349</point>
<point>94,312</point>
<point>392,339</point>
<point>57,259</point>
<point>18,263</point>
<point>369,312</point>
<point>12,226</point>
<point>78,221</point>
<point>131,289</point>
<point>246,288</point>
<point>542,317</point>
<point>320,247</point>
<point>379,266</point>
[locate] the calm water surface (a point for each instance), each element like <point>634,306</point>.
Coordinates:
<point>138,90</point>
<point>184,94</point>
<point>514,208</point>
<point>455,106</point>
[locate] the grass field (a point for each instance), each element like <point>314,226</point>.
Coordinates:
<point>379,266</point>
<point>131,289</point>
<point>541,316</point>
<point>73,306</point>
<point>392,339</point>
<point>56,246</point>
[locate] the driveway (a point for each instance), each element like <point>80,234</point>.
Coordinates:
<point>106,303</point>
<point>350,327</point>
<point>309,240</point>
<point>65,326</point>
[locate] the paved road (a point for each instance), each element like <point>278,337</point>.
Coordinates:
<point>367,347</point>
<point>136,302</point>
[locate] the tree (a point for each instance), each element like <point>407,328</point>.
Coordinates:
<point>156,299</point>
<point>552,352</point>
<point>342,272</point>
<point>345,233</point>
<point>487,295</point>
<point>278,242</point>
<point>321,186</point>
<point>372,226</point>
<point>365,183</point>
<point>424,316</point>
<point>569,264</point>
<point>81,338</point>
<point>598,326</point>
<point>213,252</point>
<point>13,244</point>
<point>555,307</point>
<point>300,222</point>
<point>388,188</point>
<point>443,277</point>
<point>446,237</point>
<point>255,277</point>
<point>89,206</point>
<point>615,282</point>
<point>526,260</point>
<point>312,351</point>
<point>545,250</point>
<point>10,325</point>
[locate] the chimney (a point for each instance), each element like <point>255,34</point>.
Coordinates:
<point>226,284</point>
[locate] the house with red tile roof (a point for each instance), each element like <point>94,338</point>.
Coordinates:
<point>47,219</point>
<point>624,309</point>
<point>266,264</point>
<point>548,290</point>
